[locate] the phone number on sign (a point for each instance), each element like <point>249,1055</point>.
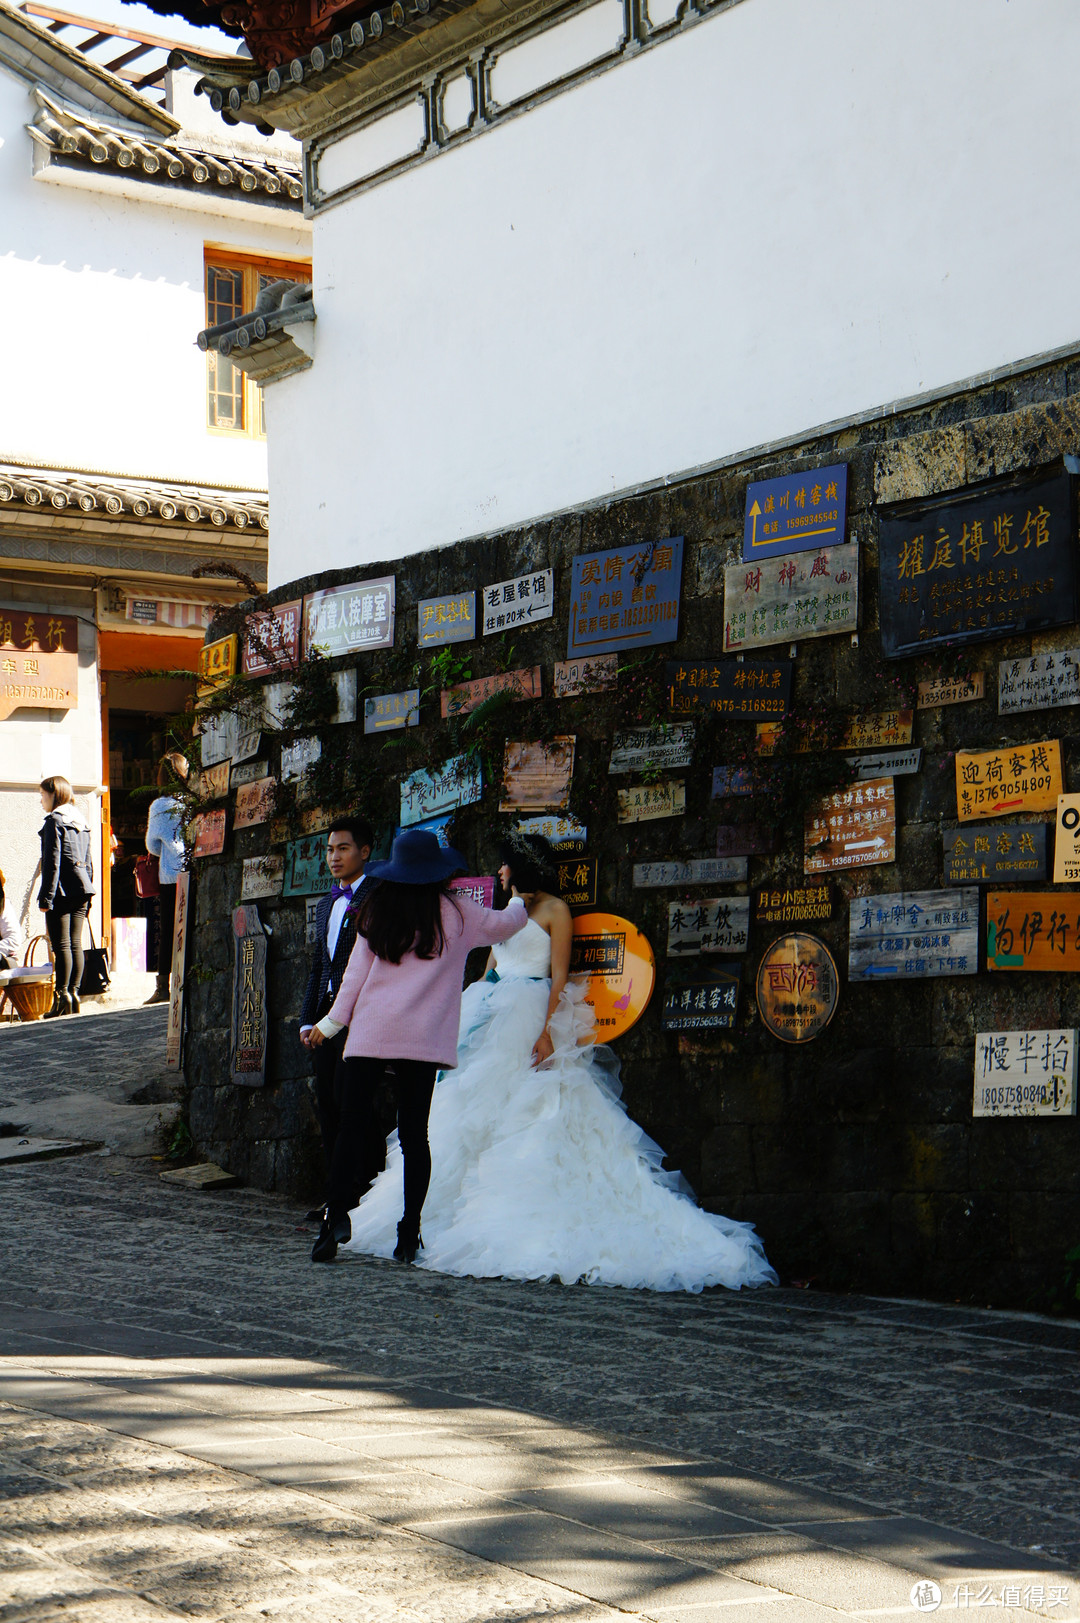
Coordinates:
<point>1035,1094</point>
<point>993,792</point>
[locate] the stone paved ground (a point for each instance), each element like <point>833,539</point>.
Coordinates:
<point>194,1421</point>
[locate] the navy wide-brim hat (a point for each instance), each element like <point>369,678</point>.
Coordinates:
<point>418,859</point>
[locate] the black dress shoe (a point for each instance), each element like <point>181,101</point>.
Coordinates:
<point>325,1247</point>
<point>408,1243</point>
<point>340,1227</point>
<point>316,1214</point>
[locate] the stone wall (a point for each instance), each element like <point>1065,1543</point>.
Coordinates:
<point>856,1154</point>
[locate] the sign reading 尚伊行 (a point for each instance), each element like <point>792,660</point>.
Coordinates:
<point>1032,929</point>
<point>698,871</point>
<point>446,619</point>
<point>950,690</point>
<point>646,802</point>
<point>703,999</point>
<point>247,1047</point>
<point>349,619</point>
<point>306,873</point>
<point>853,828</point>
<point>730,687</point>
<point>625,598</point>
<point>1017,777</point>
<point>39,661</point>
<point>561,833</point>
<point>1039,681</point>
<point>598,674</point>
<point>1067,841</point>
<point>808,594</point>
<point>993,853</point>
<point>796,904</point>
<point>519,603</point>
<point>914,935</point>
<point>272,639</point>
<point>714,924</point>
<point>961,569</point>
<point>465,697</point>
<point>796,512</point>
<point>427,793</point>
<point>1025,1073</point>
<point>577,881</point>
<point>389,712</point>
<point>643,749</point>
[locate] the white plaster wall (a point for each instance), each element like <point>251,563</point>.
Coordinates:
<point>102,299</point>
<point>789,214</point>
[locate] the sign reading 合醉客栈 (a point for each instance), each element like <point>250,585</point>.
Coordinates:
<point>247,1048</point>
<point>1039,682</point>
<point>306,873</point>
<point>1015,778</point>
<point>625,598</point>
<point>714,924</point>
<point>994,853</point>
<point>345,619</point>
<point>389,712</point>
<point>808,594</point>
<point>425,793</point>
<point>698,871</point>
<point>730,687</point>
<point>962,569</point>
<point>446,619</point>
<point>517,604</point>
<point>705,998</point>
<point>853,828</point>
<point>914,935</point>
<point>1025,1073</point>
<point>796,512</point>
<point>647,749</point>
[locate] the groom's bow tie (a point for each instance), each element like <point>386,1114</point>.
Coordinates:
<point>339,890</point>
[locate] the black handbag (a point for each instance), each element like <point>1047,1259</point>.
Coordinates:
<point>95,975</point>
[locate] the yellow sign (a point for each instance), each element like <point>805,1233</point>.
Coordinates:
<point>1017,777</point>
<point>616,962</point>
<point>645,802</point>
<point>1067,841</point>
<point>217,663</point>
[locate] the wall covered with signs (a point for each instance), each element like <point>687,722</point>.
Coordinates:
<point>838,842</point>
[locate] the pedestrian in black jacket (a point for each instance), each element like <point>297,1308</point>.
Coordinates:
<point>67,885</point>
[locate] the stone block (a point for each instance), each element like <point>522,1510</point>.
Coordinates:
<point>1014,441</point>
<point>727,1163</point>
<point>1030,1153</point>
<point>920,465</point>
<point>934,1156</point>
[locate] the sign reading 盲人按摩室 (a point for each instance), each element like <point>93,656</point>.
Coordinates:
<point>714,924</point>
<point>39,661</point>
<point>511,605</point>
<point>795,904</point>
<point>646,802</point>
<point>563,834</point>
<point>577,881</point>
<point>465,697</point>
<point>647,749</point>
<point>962,569</point>
<point>994,853</point>
<point>1039,682</point>
<point>1015,778</point>
<point>247,1047</point>
<point>796,512</point>
<point>950,690</point>
<point>427,793</point>
<point>698,871</point>
<point>272,639</point>
<point>306,873</point>
<point>914,935</point>
<point>1025,1073</point>
<point>625,598</point>
<point>790,599</point>
<point>705,998</point>
<point>853,828</point>
<point>1032,929</point>
<point>729,687</point>
<point>598,674</point>
<point>389,712</point>
<point>347,619</point>
<point>446,619</point>
<point>537,774</point>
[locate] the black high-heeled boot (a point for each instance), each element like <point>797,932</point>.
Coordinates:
<point>409,1242</point>
<point>61,1004</point>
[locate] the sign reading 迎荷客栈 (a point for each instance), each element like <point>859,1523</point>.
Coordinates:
<point>520,603</point>
<point>796,904</point>
<point>645,749</point>
<point>705,998</point>
<point>914,935</point>
<point>796,512</point>
<point>625,598</point>
<point>306,873</point>
<point>645,802</point>
<point>994,853</point>
<point>426,793</point>
<point>389,712</point>
<point>349,619</point>
<point>1025,1073</point>
<point>853,828</point>
<point>446,619</point>
<point>698,871</point>
<point>1017,777</point>
<point>247,1047</point>
<point>714,924</point>
<point>1032,929</point>
<point>1039,682</point>
<point>729,687</point>
<point>789,599</point>
<point>577,881</point>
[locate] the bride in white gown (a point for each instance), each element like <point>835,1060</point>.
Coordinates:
<point>537,1170</point>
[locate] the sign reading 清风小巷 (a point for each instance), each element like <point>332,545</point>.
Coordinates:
<point>262,877</point>
<point>705,998</point>
<point>645,802</point>
<point>254,802</point>
<point>465,697</point>
<point>796,512</point>
<point>994,853</point>
<point>698,871</point>
<point>806,594</point>
<point>562,833</point>
<point>1032,929</point>
<point>518,603</point>
<point>272,639</point>
<point>306,873</point>
<point>347,619</point>
<point>950,690</point>
<point>795,904</point>
<point>914,935</point>
<point>1017,777</point>
<point>885,764</point>
<point>797,988</point>
<point>853,828</point>
<point>446,619</point>
<point>1039,682</point>
<point>577,881</point>
<point>625,598</point>
<point>598,674</point>
<point>247,1047</point>
<point>39,661</point>
<point>389,712</point>
<point>1067,841</point>
<point>536,775</point>
<point>961,569</point>
<point>714,924</point>
<point>730,687</point>
<point>644,749</point>
<point>1025,1073</point>
<point>427,793</point>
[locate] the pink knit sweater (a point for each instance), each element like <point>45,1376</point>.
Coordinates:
<point>412,1010</point>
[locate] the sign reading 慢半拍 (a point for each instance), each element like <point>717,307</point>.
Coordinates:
<point>994,853</point>
<point>714,924</point>
<point>625,598</point>
<point>1025,1073</point>
<point>796,512</point>
<point>808,594</point>
<point>1017,777</point>
<point>730,687</point>
<point>914,935</point>
<point>344,619</point>
<point>961,569</point>
<point>446,619</point>
<point>698,871</point>
<point>518,603</point>
<point>427,793</point>
<point>643,749</point>
<point>704,999</point>
<point>1039,682</point>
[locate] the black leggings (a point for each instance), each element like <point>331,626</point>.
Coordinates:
<point>414,1083</point>
<point>66,939</point>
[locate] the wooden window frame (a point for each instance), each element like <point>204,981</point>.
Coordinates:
<point>251,266</point>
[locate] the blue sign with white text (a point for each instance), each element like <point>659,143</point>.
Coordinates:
<point>625,598</point>
<point>796,513</point>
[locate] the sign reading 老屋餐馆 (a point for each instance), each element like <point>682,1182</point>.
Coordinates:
<point>994,853</point>
<point>698,871</point>
<point>306,873</point>
<point>1032,929</point>
<point>713,924</point>
<point>1039,682</point>
<point>247,1048</point>
<point>39,661</point>
<point>852,828</point>
<point>272,639</point>
<point>517,604</point>
<point>389,712</point>
<point>790,599</point>
<point>795,904</point>
<point>426,793</point>
<point>1025,1073</point>
<point>644,749</point>
<point>961,569</point>
<point>344,619</point>
<point>796,512</point>
<point>1017,777</point>
<point>625,598</point>
<point>705,998</point>
<point>577,881</point>
<point>446,619</point>
<point>914,935</point>
<point>730,687</point>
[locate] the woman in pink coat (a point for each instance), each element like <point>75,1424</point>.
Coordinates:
<point>401,1000</point>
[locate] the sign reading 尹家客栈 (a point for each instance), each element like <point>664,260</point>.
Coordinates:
<point>446,619</point>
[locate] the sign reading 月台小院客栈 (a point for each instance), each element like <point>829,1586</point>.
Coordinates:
<point>796,512</point>
<point>627,597</point>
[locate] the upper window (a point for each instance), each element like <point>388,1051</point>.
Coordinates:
<point>234,403</point>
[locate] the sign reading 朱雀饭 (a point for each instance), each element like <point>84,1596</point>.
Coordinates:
<point>1032,929</point>
<point>994,853</point>
<point>713,924</point>
<point>348,619</point>
<point>272,639</point>
<point>646,802</point>
<point>853,828</point>
<point>650,749</point>
<point>625,598</point>
<point>881,729</point>
<point>254,803</point>
<point>426,793</point>
<point>914,935</point>
<point>698,871</point>
<point>1015,778</point>
<point>536,775</point>
<point>446,619</point>
<point>39,661</point>
<point>789,599</point>
<point>962,569</point>
<point>389,712</point>
<point>577,881</point>
<point>950,690</point>
<point>464,697</point>
<point>563,834</point>
<point>885,764</point>
<point>517,604</point>
<point>247,1046</point>
<point>797,988</point>
<point>262,877</point>
<point>306,873</point>
<point>730,687</point>
<point>616,963</point>
<point>597,674</point>
<point>1025,1073</point>
<point>209,833</point>
<point>705,998</point>
<point>795,904</point>
<point>1067,841</point>
<point>1039,682</point>
<point>217,664</point>
<point>796,512</point>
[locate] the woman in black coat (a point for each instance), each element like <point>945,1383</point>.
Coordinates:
<point>67,884</point>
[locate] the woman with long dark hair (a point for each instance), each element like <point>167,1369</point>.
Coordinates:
<point>67,885</point>
<point>401,1000</point>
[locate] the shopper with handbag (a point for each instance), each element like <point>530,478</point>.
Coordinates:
<point>164,841</point>
<point>67,885</point>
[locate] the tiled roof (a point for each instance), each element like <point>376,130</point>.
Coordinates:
<point>150,500</point>
<point>257,341</point>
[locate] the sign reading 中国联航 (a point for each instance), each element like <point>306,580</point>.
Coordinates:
<point>713,924</point>
<point>913,935</point>
<point>796,904</point>
<point>994,853</point>
<point>645,802</point>
<point>698,871</point>
<point>730,687</point>
<point>389,712</point>
<point>705,998</point>
<point>625,598</point>
<point>347,619</point>
<point>519,603</point>
<point>1025,1073</point>
<point>1017,777</point>
<point>962,569</point>
<point>853,828</point>
<point>789,599</point>
<point>464,697</point>
<point>796,512</point>
<point>598,674</point>
<point>1032,929</point>
<point>427,793</point>
<point>1039,682</point>
<point>644,749</point>
<point>446,619</point>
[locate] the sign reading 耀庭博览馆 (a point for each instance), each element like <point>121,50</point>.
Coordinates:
<point>796,512</point>
<point>518,603</point>
<point>698,871</point>
<point>1025,1073</point>
<point>389,712</point>
<point>705,998</point>
<point>714,924</point>
<point>272,639</point>
<point>306,873</point>
<point>993,853</point>
<point>643,749</point>
<point>347,619</point>
<point>1017,777</point>
<point>914,935</point>
<point>789,599</point>
<point>625,598</point>
<point>247,1047</point>
<point>796,904</point>
<point>426,793</point>
<point>1032,929</point>
<point>1039,682</point>
<point>577,881</point>
<point>563,834</point>
<point>853,828</point>
<point>962,569</point>
<point>730,687</point>
<point>446,619</point>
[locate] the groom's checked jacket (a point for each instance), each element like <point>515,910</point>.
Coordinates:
<point>326,973</point>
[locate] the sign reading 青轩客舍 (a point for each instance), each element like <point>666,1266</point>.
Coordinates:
<point>797,988</point>
<point>598,674</point>
<point>247,1047</point>
<point>1067,841</point>
<point>209,833</point>
<point>306,873</point>
<point>698,871</point>
<point>272,639</point>
<point>914,935</point>
<point>713,924</point>
<point>39,661</point>
<point>426,793</point>
<point>350,619</point>
<point>577,881</point>
<point>1015,778</point>
<point>465,697</point>
<point>1032,929</point>
<point>536,775</point>
<point>795,904</point>
<point>446,619</point>
<point>853,828</point>
<point>994,853</point>
<point>625,598</point>
<point>646,749</point>
<point>950,690</point>
<point>1039,682</point>
<point>796,512</point>
<point>389,712</point>
<point>254,802</point>
<point>961,569</point>
<point>517,604</point>
<point>563,834</point>
<point>645,802</point>
<point>806,594</point>
<point>730,687</point>
<point>262,877</point>
<point>479,889</point>
<point>882,729</point>
<point>705,998</point>
<point>1025,1073</point>
<point>885,764</point>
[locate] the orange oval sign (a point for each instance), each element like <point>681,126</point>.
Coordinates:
<point>797,988</point>
<point>616,962</point>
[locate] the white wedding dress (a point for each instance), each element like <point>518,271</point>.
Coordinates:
<point>539,1173</point>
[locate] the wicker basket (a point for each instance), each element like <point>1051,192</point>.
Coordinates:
<point>32,994</point>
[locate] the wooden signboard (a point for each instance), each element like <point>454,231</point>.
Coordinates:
<point>297,756</point>
<point>646,802</point>
<point>596,674</point>
<point>745,840</point>
<point>914,935</point>
<point>616,963</point>
<point>306,873</point>
<point>1039,682</point>
<point>950,690</point>
<point>536,776</point>
<point>729,687</point>
<point>577,881</point>
<point>262,877</point>
<point>519,603</point>
<point>1025,1073</point>
<point>254,803</point>
<point>389,712</point>
<point>464,697</point>
<point>731,781</point>
<point>885,764</point>
<point>248,739</point>
<point>217,664</point>
<point>881,729</point>
<point>854,828</point>
<point>698,871</point>
<point>563,834</point>
<point>703,999</point>
<point>1067,841</point>
<point>1015,778</point>
<point>272,639</point>
<point>348,619</point>
<point>210,833</point>
<point>219,734</point>
<point>1032,929</point>
<point>178,962</point>
<point>446,619</point>
<point>792,598</point>
<point>994,853</point>
<point>428,793</point>
<point>213,782</point>
<point>645,749</point>
<point>247,1047</point>
<point>714,924</point>
<point>478,888</point>
<point>797,988</point>
<point>315,820</point>
<point>39,661</point>
<point>795,904</point>
<point>625,598</point>
<point>795,513</point>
